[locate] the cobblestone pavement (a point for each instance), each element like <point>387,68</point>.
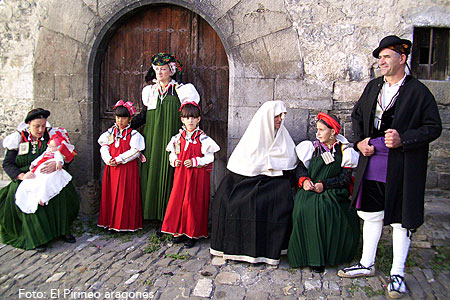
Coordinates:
<point>102,265</point>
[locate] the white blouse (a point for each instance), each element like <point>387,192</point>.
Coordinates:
<point>209,147</point>
<point>305,151</point>
<point>137,144</point>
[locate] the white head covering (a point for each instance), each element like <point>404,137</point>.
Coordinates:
<point>261,150</point>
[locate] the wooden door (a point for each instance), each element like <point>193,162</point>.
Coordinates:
<point>176,30</point>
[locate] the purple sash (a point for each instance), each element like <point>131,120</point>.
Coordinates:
<point>376,167</point>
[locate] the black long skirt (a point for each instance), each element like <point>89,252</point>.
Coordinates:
<point>251,218</point>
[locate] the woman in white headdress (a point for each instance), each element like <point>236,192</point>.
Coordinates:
<point>251,211</point>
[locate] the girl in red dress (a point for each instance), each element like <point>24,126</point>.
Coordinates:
<point>192,154</point>
<point>121,207</point>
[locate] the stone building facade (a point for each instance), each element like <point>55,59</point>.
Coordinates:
<point>314,55</point>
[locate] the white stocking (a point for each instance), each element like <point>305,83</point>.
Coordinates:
<point>400,247</point>
<point>372,228</point>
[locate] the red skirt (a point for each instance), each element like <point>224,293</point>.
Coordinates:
<point>121,207</point>
<point>188,208</point>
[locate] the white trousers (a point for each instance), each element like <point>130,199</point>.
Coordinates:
<point>372,228</point>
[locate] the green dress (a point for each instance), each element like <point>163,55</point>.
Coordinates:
<point>28,231</point>
<point>325,228</point>
<point>156,173</point>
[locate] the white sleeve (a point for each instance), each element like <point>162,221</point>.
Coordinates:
<point>150,96</point>
<point>171,148</point>
<point>12,141</point>
<point>137,144</point>
<point>59,157</point>
<point>349,158</point>
<point>187,92</point>
<point>209,147</point>
<point>305,151</point>
<point>104,150</point>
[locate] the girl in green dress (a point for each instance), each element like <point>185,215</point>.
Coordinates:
<point>161,117</point>
<point>325,231</point>
<point>29,231</point>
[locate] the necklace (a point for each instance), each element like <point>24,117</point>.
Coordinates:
<point>34,146</point>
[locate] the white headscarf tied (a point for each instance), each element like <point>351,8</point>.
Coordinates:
<point>261,150</point>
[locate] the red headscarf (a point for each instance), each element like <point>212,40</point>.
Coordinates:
<point>329,121</point>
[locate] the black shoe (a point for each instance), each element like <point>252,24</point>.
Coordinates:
<point>190,243</point>
<point>158,232</point>
<point>178,239</point>
<point>68,238</point>
<point>41,248</point>
<point>320,269</point>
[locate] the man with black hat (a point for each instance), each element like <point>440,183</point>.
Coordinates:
<point>393,123</point>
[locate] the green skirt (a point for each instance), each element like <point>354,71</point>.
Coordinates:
<point>28,231</point>
<point>325,229</point>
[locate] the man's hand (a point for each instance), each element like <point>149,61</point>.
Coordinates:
<point>49,167</point>
<point>392,139</point>
<point>365,148</point>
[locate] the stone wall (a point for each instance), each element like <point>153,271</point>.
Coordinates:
<point>314,56</point>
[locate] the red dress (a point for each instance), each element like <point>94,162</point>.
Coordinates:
<point>188,207</point>
<point>121,207</point>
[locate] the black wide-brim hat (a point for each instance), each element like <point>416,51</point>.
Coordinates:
<point>37,113</point>
<point>391,41</point>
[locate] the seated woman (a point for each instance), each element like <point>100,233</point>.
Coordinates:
<point>325,229</point>
<point>29,231</point>
<point>251,211</point>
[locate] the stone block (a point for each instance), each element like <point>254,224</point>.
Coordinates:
<point>44,85</point>
<point>256,295</point>
<point>444,181</point>
<point>348,91</point>
<point>430,16</point>
<point>21,85</point>
<point>67,114</point>
<point>224,28</point>
<point>79,87</point>
<point>229,292</point>
<point>283,46</point>
<point>107,9</point>
<point>440,90</point>
<point>251,92</point>
<point>296,123</point>
<point>297,89</point>
<point>253,55</point>
<point>71,19</point>
<point>231,145</point>
<point>62,86</point>
<point>211,10</point>
<point>59,54</point>
<point>203,288</point>
<point>253,20</point>
<point>238,120</point>
<point>432,180</point>
<point>228,278</point>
